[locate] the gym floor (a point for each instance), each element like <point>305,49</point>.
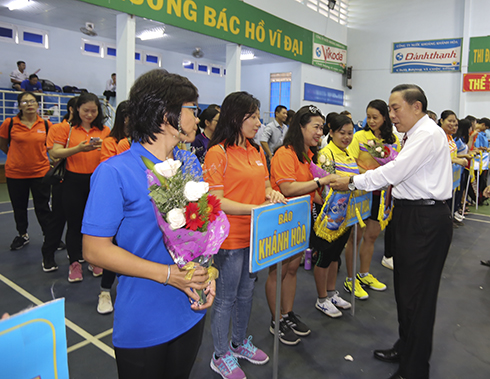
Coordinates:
<point>461,337</point>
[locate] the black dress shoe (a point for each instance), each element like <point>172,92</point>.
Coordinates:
<point>485,263</point>
<point>390,355</point>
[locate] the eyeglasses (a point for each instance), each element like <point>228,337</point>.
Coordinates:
<point>28,102</point>
<point>195,109</point>
<point>315,110</point>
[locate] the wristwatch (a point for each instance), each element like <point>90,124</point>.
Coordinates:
<point>317,180</point>
<point>351,185</point>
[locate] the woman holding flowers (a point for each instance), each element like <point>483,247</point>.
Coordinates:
<point>290,174</point>
<point>377,134</point>
<point>325,271</point>
<point>236,170</point>
<point>158,321</point>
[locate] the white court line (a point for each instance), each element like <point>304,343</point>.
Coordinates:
<point>83,333</point>
<point>475,219</point>
<point>6,212</point>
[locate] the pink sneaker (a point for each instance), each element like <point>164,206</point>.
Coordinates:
<point>75,272</point>
<point>96,271</point>
<point>227,366</point>
<point>249,352</point>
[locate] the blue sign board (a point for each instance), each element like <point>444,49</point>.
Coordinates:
<point>279,231</point>
<point>323,95</point>
<point>33,343</point>
<point>427,56</point>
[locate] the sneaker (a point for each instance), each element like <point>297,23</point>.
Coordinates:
<point>227,366</point>
<point>49,265</point>
<point>96,271</point>
<point>387,262</point>
<point>358,292</point>
<point>61,246</point>
<point>296,325</point>
<point>371,282</point>
<point>339,302</point>
<point>19,242</point>
<point>328,308</point>
<point>104,305</point>
<point>286,334</point>
<point>75,272</point>
<point>458,216</point>
<point>249,352</point>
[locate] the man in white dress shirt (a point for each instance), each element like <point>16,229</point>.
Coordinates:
<point>421,176</point>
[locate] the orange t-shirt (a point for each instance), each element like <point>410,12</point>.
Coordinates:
<point>123,145</point>
<point>52,132</point>
<point>80,163</point>
<point>241,174</point>
<point>108,149</point>
<point>27,155</point>
<point>286,167</point>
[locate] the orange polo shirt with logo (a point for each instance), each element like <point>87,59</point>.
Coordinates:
<point>27,155</point>
<point>241,174</point>
<point>286,167</point>
<point>123,145</point>
<point>83,162</point>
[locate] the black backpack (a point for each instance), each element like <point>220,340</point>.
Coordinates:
<point>48,85</point>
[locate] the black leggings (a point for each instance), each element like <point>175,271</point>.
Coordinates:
<point>75,194</point>
<point>19,197</point>
<point>170,360</point>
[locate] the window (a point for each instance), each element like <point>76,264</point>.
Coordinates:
<point>33,37</point>
<point>92,48</point>
<point>337,14</point>
<point>202,68</point>
<point>137,56</point>
<point>280,93</point>
<point>8,32</point>
<point>153,59</point>
<point>110,51</point>
<point>215,70</point>
<point>189,65</point>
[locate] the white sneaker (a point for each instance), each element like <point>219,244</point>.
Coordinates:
<point>458,216</point>
<point>387,262</point>
<point>328,308</point>
<point>104,305</point>
<point>339,302</point>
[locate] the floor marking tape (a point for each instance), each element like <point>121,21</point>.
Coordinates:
<point>83,333</point>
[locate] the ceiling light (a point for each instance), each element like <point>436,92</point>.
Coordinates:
<point>247,55</point>
<point>18,4</point>
<point>152,33</point>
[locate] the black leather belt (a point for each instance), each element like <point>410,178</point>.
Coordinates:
<point>421,202</point>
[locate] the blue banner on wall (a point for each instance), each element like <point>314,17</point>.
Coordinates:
<point>279,231</point>
<point>425,56</point>
<point>323,95</point>
<point>33,343</point>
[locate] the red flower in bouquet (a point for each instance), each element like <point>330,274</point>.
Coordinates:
<point>214,207</point>
<point>192,217</point>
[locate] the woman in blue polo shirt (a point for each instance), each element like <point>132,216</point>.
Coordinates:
<point>157,330</point>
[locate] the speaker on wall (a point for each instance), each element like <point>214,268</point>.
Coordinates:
<point>348,77</point>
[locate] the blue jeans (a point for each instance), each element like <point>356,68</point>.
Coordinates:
<point>234,293</point>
